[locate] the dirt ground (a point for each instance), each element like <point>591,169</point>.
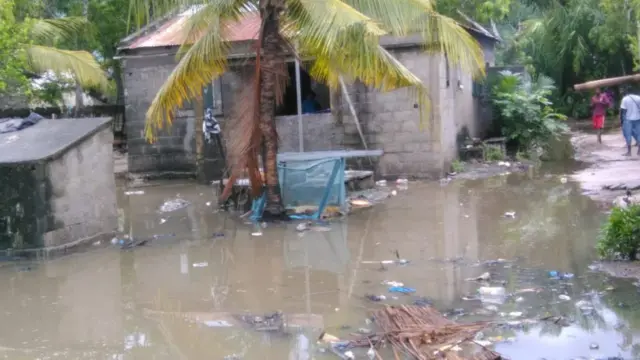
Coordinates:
<point>607,173</point>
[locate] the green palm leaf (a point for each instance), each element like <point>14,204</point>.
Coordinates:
<point>49,31</point>
<point>81,64</point>
<point>200,63</point>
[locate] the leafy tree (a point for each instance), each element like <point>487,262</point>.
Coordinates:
<point>525,113</point>
<point>13,58</point>
<point>341,35</point>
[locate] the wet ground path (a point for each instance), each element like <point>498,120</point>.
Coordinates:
<point>104,303</point>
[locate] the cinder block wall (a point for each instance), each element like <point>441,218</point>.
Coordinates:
<point>174,151</point>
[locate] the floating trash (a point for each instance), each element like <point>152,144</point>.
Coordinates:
<point>564,297</point>
<point>173,205</point>
<point>200,264</point>
<point>134,192</point>
<point>402,290</point>
<point>376,298</point>
<point>510,214</point>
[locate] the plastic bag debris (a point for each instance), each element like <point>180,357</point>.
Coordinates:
<point>564,297</point>
<point>257,233</point>
<point>134,192</point>
<point>173,205</point>
<point>381,183</point>
<point>560,276</point>
<point>217,323</point>
<point>376,298</point>
<point>492,295</point>
<point>328,338</point>
<point>510,214</point>
<point>484,277</point>
<point>393,283</point>
<point>402,290</point>
<point>402,181</point>
<point>515,314</point>
<point>360,202</point>
<point>200,264</point>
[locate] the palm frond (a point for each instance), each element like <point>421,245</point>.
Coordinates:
<point>215,13</point>
<point>80,64</point>
<point>440,34</point>
<point>200,64</point>
<point>346,42</point>
<point>48,31</point>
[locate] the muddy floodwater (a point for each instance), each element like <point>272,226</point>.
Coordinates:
<point>108,303</point>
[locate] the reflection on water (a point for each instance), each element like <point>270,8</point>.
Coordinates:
<point>149,302</point>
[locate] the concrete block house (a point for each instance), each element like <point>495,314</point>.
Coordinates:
<point>390,121</point>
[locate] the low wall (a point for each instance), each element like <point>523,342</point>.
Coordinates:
<point>63,192</point>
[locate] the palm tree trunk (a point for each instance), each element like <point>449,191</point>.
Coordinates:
<point>272,56</point>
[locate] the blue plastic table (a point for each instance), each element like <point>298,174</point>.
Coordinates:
<point>316,158</point>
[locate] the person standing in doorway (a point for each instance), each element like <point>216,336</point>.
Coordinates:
<point>599,104</point>
<point>630,119</point>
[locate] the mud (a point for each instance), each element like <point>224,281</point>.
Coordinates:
<point>608,173</point>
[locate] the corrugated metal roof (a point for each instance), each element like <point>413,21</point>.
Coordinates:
<point>172,32</point>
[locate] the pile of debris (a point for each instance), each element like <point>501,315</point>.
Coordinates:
<point>423,333</point>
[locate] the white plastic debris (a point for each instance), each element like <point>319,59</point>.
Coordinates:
<point>563,179</point>
<point>564,297</point>
<point>402,181</point>
<point>208,203</point>
<point>492,295</point>
<point>371,353</point>
<point>393,283</point>
<point>134,192</point>
<point>515,314</point>
<point>510,214</point>
<point>349,355</point>
<point>173,205</point>
<point>394,193</point>
<point>163,220</point>
<point>381,182</point>
<point>200,264</point>
<point>257,233</point>
<point>302,227</point>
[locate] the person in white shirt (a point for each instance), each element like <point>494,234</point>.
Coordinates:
<point>630,119</point>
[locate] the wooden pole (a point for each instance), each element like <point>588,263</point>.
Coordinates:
<point>590,85</point>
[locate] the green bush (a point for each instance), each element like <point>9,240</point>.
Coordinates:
<point>523,111</point>
<point>457,166</point>
<point>620,237</point>
<point>493,153</point>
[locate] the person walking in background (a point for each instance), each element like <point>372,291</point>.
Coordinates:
<point>599,104</point>
<point>630,119</point>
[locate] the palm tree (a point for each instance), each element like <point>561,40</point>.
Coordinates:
<point>42,55</point>
<point>342,36</point>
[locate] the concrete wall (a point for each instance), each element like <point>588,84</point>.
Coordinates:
<point>48,204</point>
<point>83,191</point>
<point>320,132</point>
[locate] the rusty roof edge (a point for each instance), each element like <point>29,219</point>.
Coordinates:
<point>146,30</point>
<point>475,26</point>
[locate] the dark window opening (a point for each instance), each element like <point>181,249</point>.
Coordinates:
<point>315,95</point>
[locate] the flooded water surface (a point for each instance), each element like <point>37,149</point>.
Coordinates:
<point>178,296</point>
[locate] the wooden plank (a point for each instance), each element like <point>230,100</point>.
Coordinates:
<point>590,85</point>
